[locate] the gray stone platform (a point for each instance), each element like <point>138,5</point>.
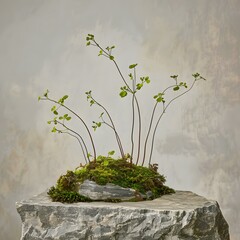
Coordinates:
<point>183,215</point>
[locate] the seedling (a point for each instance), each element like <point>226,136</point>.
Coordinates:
<point>142,147</point>
<point>131,86</point>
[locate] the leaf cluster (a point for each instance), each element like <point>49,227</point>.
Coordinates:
<point>159,97</point>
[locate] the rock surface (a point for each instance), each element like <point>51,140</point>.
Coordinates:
<point>183,215</point>
<point>94,191</point>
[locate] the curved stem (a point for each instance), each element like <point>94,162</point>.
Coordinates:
<point>69,129</point>
<point>113,127</point>
<point>133,124</point>
<point>150,125</point>
<point>134,97</point>
<point>164,110</point>
<point>79,143</point>
<point>119,71</point>
<point>139,128</point>
<point>149,129</point>
<point>117,136</point>
<point>90,136</point>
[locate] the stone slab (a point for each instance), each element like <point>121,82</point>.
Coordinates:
<point>183,215</point>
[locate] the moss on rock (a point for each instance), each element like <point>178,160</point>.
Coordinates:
<point>108,170</point>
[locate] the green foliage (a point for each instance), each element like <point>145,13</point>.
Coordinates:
<point>103,170</point>
<point>89,38</point>
<point>63,196</point>
<point>46,93</point>
<point>132,66</point>
<point>159,97</point>
<point>123,173</point>
<point>65,117</point>
<point>108,170</point>
<point>96,125</point>
<point>111,153</point>
<point>67,182</point>
<point>61,100</point>
<point>124,91</point>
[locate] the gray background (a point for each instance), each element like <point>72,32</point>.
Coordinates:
<point>42,45</point>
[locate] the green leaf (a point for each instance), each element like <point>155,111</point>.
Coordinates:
<point>111,153</point>
<point>196,75</point>
<point>101,114</point>
<point>133,66</point>
<point>61,118</point>
<point>53,108</point>
<point>139,86</point>
<point>99,124</point>
<point>89,155</point>
<point>174,76</point>
<point>123,94</point>
<point>49,122</point>
<point>46,93</point>
<point>131,76</point>
<point>155,96</point>
<point>111,57</point>
<point>88,43</point>
<point>54,130</point>
<point>65,97</point>
<point>100,53</point>
<point>55,112</point>
<point>159,99</point>
<point>176,88</point>
<point>147,80</point>
<point>68,118</point>
<point>91,36</point>
<point>39,98</point>
<point>105,162</point>
<point>92,102</point>
<point>65,115</point>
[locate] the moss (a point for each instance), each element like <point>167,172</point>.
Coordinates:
<point>58,195</point>
<point>108,170</point>
<point>123,173</point>
<point>67,182</point>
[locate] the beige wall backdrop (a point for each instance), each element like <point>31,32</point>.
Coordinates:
<point>42,46</point>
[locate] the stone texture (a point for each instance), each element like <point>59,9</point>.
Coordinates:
<point>183,215</point>
<point>109,191</point>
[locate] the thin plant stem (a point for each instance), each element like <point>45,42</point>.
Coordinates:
<point>79,143</point>
<point>133,124</point>
<point>149,129</point>
<point>164,110</point>
<point>134,97</point>
<point>83,142</point>
<point>139,119</point>
<point>150,125</point>
<point>85,125</point>
<point>113,127</point>
<point>117,136</point>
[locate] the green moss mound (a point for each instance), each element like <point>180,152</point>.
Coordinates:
<point>66,196</point>
<point>108,170</point>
